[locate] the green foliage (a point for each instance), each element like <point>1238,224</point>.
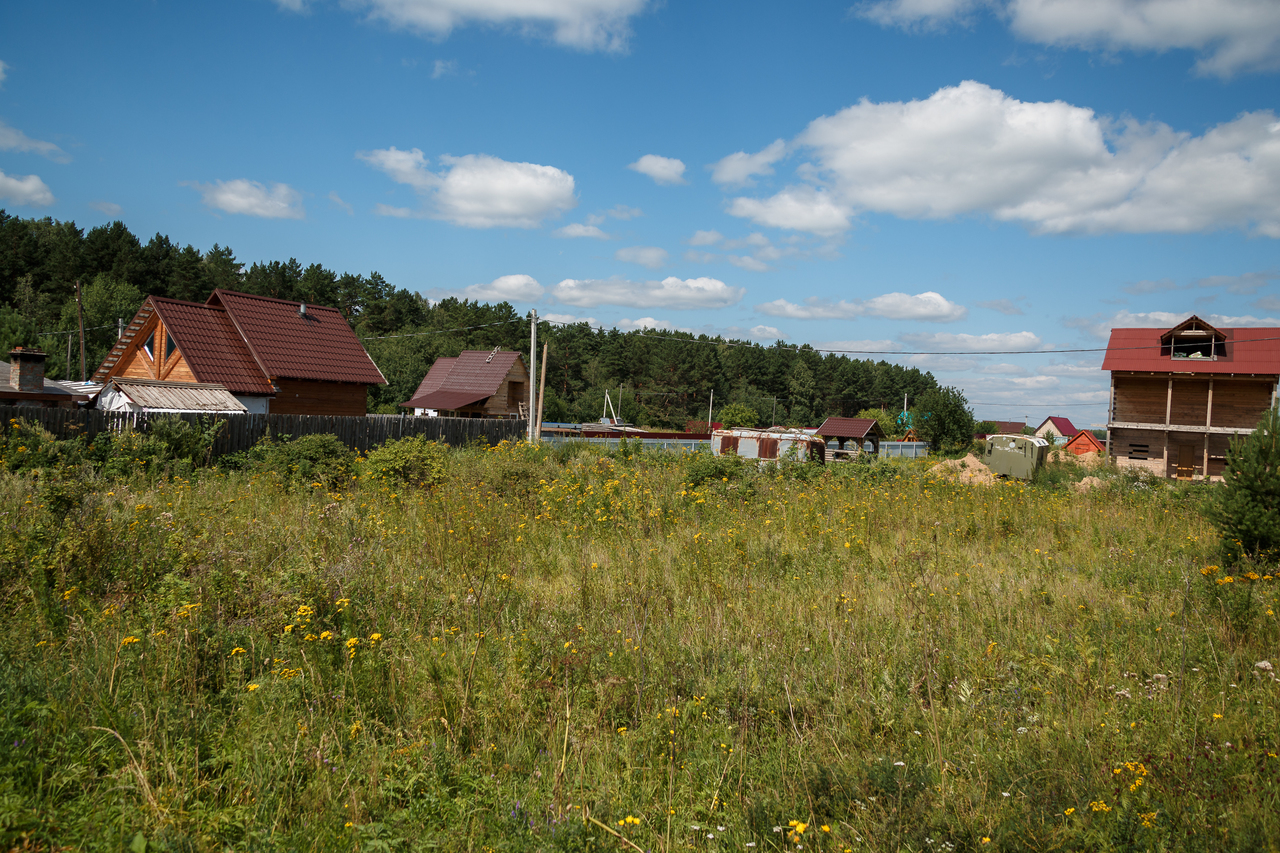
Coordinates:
<point>946,420</point>
<point>888,420</point>
<point>309,458</point>
<point>409,460</point>
<point>1244,509</point>
<point>738,415</point>
<point>704,466</point>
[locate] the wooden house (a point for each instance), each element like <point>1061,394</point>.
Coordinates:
<point>1179,395</point>
<point>1056,429</point>
<point>475,384</point>
<point>1084,442</point>
<point>275,356</point>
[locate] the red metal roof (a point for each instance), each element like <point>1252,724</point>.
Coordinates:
<point>850,428</point>
<point>286,343</point>
<point>1249,351</point>
<point>1063,425</point>
<point>435,376</point>
<point>211,346</point>
<point>1085,442</point>
<point>474,374</point>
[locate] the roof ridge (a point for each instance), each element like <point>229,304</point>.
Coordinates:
<point>310,305</point>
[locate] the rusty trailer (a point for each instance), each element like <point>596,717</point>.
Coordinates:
<point>769,444</point>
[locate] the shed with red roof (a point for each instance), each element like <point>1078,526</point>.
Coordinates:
<point>1179,395</point>
<point>1054,428</point>
<point>275,356</point>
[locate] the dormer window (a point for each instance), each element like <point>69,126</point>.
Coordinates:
<point>150,346</point>
<point>169,346</point>
<point>1193,339</point>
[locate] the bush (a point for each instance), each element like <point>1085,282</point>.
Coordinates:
<point>311,458</point>
<point>410,460</point>
<point>738,415</point>
<point>1244,509</point>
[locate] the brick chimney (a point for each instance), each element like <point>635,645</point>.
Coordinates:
<point>26,368</point>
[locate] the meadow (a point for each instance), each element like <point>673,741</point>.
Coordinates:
<point>567,649</point>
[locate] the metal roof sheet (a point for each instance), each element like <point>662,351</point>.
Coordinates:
<point>475,374</point>
<point>446,400</point>
<point>435,376</point>
<point>1249,351</point>
<point>177,396</point>
<point>211,345</point>
<point>849,428</point>
<point>1063,425</point>
<point>286,342</point>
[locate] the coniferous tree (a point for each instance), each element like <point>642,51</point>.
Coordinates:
<point>1244,508</point>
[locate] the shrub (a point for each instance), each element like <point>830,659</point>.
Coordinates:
<point>738,415</point>
<point>411,460</point>
<point>311,458</point>
<point>1244,509</point>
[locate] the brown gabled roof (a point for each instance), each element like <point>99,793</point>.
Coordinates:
<point>850,428</point>
<point>285,342</point>
<point>211,346</point>
<point>435,376</point>
<point>471,377</point>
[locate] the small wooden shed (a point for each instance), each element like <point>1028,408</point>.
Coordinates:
<point>1085,442</point>
<point>860,430</point>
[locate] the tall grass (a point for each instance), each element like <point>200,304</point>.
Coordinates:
<point>569,650</point>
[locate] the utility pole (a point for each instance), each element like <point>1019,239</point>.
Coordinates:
<point>80,312</point>
<point>710,407</point>
<point>533,367</point>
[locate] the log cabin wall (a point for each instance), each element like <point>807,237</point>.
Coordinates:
<point>313,397</point>
<point>164,362</point>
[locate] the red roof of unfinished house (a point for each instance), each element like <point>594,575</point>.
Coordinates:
<point>850,428</point>
<point>1247,351</point>
<point>288,342</point>
<point>211,346</point>
<point>1063,425</point>
<point>473,376</point>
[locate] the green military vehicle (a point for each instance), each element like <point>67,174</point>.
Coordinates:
<point>1015,456</point>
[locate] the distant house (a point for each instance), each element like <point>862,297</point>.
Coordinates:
<point>1179,395</point>
<point>275,356</point>
<point>27,385</point>
<point>1084,442</point>
<point>475,384</point>
<point>1056,429</point>
<point>860,430</point>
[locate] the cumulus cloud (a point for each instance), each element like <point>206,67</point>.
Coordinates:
<point>663,170</point>
<point>747,262</point>
<point>647,323</point>
<point>705,238</point>
<point>1003,306</point>
<point>110,208</point>
<point>1050,165</point>
<point>581,24</point>
<point>506,288</point>
<point>12,139</point>
<point>27,190</point>
<point>646,256</point>
<point>251,198</point>
<point>765,333</point>
<point>992,342</point>
<point>671,292</point>
<point>577,229</point>
<point>928,306</point>
<point>1230,35</point>
<point>739,168</point>
<point>477,190</point>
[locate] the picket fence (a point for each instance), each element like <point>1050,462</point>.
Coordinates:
<point>240,432</point>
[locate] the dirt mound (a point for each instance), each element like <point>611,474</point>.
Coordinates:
<point>1091,460</point>
<point>1088,483</point>
<point>968,470</point>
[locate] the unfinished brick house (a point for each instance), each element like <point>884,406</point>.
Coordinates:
<point>275,356</point>
<point>1179,395</point>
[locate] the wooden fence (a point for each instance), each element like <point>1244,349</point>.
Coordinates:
<point>241,432</point>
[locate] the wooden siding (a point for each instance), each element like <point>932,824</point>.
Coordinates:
<point>1140,400</point>
<point>500,404</point>
<point>1190,402</point>
<point>1240,403</point>
<point>312,397</point>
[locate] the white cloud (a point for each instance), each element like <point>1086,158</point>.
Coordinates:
<point>299,6</point>
<point>1227,321</point>
<point>663,170</point>
<point>477,190</point>
<point>507,288</point>
<point>444,68</point>
<point>671,292</point>
<point>26,190</point>
<point>696,257</point>
<point>381,209</point>
<point>928,306</point>
<point>335,200</point>
<point>1230,35</point>
<point>705,238</point>
<point>618,211</point>
<point>110,208</point>
<point>577,229</point>
<point>251,198</point>
<point>582,24</point>
<point>747,262</point>
<point>1241,285</point>
<point>647,323</point>
<point>943,363</point>
<point>12,139</point>
<point>1141,288</point>
<point>765,333</point>
<point>646,256</point>
<point>3,72</point>
<point>1003,306</point>
<point>993,342</point>
<point>739,168</point>
<point>1268,303</point>
<point>569,319</point>
<point>1005,369</point>
<point>1053,166</point>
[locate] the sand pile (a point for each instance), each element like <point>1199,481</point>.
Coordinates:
<point>968,470</point>
<point>1088,483</point>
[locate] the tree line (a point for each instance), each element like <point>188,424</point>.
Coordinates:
<point>657,379</point>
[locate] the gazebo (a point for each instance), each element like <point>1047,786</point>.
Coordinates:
<point>859,429</point>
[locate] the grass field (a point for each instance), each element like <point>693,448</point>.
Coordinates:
<point>565,650</point>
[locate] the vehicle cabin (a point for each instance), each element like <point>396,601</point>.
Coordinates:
<point>769,444</point>
<point>1016,456</point>
<point>1179,395</point>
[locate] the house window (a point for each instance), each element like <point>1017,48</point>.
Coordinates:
<point>150,346</point>
<point>1139,451</point>
<point>515,393</point>
<point>169,346</point>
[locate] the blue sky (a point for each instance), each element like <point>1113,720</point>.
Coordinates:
<point>928,179</point>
